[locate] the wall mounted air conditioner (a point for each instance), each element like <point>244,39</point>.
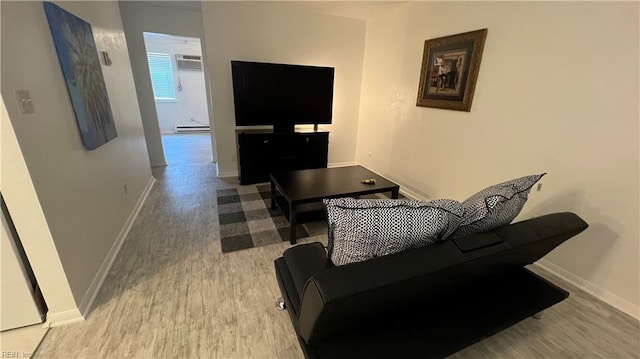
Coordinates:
<point>189,62</point>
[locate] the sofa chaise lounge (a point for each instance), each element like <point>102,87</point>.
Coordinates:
<point>426,302</point>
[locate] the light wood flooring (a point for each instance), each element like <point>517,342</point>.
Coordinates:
<point>21,342</point>
<point>171,293</point>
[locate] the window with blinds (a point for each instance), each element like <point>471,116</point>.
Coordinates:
<point>161,76</point>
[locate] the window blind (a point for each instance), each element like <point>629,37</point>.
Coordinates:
<point>161,76</point>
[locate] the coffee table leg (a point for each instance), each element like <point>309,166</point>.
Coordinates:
<point>292,223</point>
<point>273,195</point>
<point>394,193</point>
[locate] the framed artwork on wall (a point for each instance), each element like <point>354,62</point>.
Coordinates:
<point>78,56</point>
<point>449,72</point>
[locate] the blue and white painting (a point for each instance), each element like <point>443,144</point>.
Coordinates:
<point>80,64</point>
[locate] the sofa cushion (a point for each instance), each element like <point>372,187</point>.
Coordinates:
<point>495,206</point>
<point>361,229</point>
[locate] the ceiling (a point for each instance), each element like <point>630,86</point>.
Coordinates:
<point>352,9</point>
<point>184,5</point>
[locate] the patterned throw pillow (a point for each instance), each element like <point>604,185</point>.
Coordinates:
<point>361,229</point>
<point>495,206</point>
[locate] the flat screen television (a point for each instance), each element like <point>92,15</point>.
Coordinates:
<point>281,95</point>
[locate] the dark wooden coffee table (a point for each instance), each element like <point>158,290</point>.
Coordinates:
<point>299,194</point>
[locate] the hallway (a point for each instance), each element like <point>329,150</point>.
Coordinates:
<point>187,148</point>
<point>171,292</point>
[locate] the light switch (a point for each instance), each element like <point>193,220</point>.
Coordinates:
<point>24,101</point>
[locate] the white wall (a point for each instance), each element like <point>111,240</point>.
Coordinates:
<point>190,107</point>
<point>557,92</point>
<point>272,32</point>
<point>81,192</point>
<point>138,17</point>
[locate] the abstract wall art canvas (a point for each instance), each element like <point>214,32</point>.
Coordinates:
<point>82,73</point>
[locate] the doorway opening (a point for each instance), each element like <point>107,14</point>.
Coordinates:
<point>177,69</point>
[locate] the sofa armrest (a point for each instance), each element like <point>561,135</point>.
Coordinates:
<point>304,261</point>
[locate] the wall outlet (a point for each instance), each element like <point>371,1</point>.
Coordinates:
<point>24,102</point>
<point>234,158</point>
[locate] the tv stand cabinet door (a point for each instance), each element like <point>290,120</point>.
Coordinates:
<point>255,157</point>
<point>315,149</point>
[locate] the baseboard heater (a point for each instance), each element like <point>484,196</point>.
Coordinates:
<point>182,129</point>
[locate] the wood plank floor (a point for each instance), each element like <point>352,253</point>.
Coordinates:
<point>171,293</point>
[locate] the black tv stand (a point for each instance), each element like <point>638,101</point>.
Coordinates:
<point>288,127</point>
<point>262,152</point>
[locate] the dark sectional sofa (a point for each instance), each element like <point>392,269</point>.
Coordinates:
<point>427,302</point>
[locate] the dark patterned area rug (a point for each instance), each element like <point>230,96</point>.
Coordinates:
<point>246,220</point>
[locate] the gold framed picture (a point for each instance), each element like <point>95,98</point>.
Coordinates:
<point>449,72</point>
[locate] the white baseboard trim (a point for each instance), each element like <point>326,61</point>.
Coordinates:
<point>98,280</point>
<point>411,194</point>
<point>602,294</point>
<point>403,189</point>
<point>341,164</point>
<point>63,318</point>
<point>227,174</point>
